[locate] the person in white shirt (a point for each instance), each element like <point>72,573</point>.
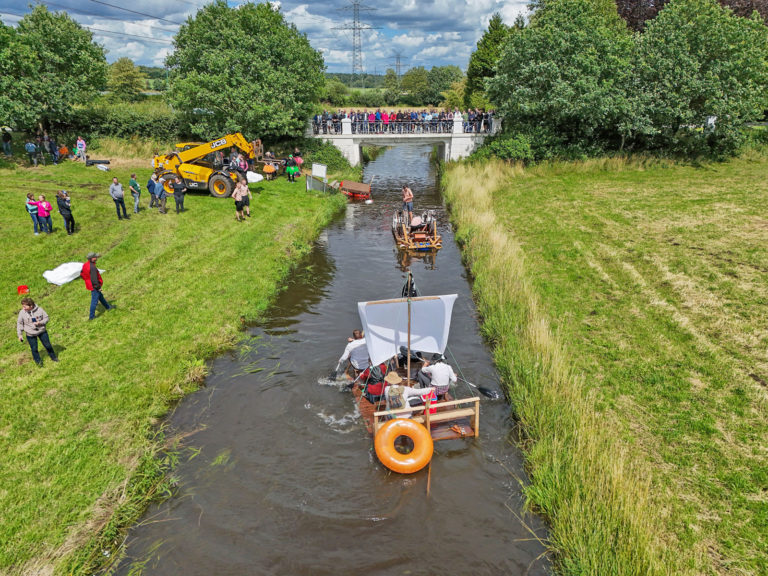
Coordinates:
<point>356,352</point>
<point>438,374</point>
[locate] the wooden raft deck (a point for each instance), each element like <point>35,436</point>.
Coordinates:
<point>454,419</point>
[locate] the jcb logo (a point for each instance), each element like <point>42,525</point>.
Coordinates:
<point>218,143</point>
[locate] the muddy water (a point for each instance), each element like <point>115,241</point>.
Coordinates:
<point>284,480</point>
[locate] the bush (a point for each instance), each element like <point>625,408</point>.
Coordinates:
<point>506,147</point>
<point>314,150</point>
<point>122,121</point>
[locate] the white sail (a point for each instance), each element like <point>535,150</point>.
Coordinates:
<point>386,325</point>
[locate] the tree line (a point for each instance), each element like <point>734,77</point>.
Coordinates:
<point>232,69</point>
<point>576,79</point>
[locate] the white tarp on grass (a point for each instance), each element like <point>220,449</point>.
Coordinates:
<point>253,177</point>
<point>386,325</point>
<point>64,273</point>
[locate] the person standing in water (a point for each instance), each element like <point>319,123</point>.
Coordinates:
<point>408,201</point>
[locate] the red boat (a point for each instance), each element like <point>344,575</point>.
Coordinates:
<point>355,190</point>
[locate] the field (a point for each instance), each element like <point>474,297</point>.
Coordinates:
<point>626,303</point>
<point>79,438</point>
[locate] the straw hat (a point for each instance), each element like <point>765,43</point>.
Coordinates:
<point>393,378</point>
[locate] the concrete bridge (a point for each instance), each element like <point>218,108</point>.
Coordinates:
<point>452,144</point>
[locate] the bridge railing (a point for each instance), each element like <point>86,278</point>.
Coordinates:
<point>485,125</point>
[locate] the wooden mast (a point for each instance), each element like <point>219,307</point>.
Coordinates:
<point>408,288</point>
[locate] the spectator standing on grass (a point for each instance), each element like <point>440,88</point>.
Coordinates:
<point>53,148</point>
<point>32,211</point>
<point>44,214</point>
<point>179,189</point>
<point>80,147</point>
<point>241,191</point>
<point>32,323</point>
<point>7,138</point>
<point>31,151</point>
<point>135,192</point>
<point>162,195</point>
<point>116,191</point>
<point>93,282</point>
<point>151,188</point>
<point>65,209</point>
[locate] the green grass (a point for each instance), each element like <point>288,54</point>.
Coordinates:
<point>626,301</point>
<point>78,438</point>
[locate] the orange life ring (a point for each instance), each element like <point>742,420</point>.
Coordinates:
<point>414,461</point>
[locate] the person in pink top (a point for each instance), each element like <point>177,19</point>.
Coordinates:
<point>385,121</point>
<point>44,214</point>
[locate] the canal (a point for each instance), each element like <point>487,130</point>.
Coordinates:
<point>279,476</point>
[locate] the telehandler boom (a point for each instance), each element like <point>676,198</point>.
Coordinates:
<point>201,166</point>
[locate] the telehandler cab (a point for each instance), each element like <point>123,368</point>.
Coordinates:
<point>202,166</point>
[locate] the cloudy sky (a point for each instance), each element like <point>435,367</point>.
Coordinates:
<point>424,32</point>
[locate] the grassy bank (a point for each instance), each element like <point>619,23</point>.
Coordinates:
<point>78,437</point>
<point>626,302</point>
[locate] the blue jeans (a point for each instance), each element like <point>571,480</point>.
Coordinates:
<point>46,224</point>
<point>96,297</point>
<point>136,202</point>
<point>118,203</point>
<point>7,148</point>
<point>408,207</point>
<point>46,344</point>
<point>36,222</point>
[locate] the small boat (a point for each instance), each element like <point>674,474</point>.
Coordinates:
<point>355,190</point>
<point>393,329</point>
<point>418,235</point>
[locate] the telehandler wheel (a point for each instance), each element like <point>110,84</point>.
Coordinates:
<point>220,186</point>
<point>168,181</point>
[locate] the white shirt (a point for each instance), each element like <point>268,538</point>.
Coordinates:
<point>357,353</point>
<point>441,373</point>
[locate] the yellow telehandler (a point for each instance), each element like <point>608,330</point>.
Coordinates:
<point>202,166</point>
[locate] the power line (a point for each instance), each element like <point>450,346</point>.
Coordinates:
<point>357,44</point>
<point>99,16</point>
<point>135,12</point>
<point>147,38</point>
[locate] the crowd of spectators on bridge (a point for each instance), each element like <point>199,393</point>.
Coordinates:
<point>403,121</point>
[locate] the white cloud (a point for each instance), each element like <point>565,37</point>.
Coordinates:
<point>426,32</point>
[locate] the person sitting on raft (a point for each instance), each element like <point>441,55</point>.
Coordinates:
<point>436,373</point>
<point>417,223</point>
<point>357,353</point>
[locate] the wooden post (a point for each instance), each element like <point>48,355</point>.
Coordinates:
<point>408,364</point>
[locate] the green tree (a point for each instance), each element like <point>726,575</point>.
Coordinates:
<point>439,79</point>
<point>126,81</point>
<point>391,87</point>
<point>336,93</point>
<point>566,77</point>
<point>453,98</point>
<point>16,73</point>
<point>483,60</point>
<point>67,68</point>
<point>244,68</point>
<point>415,86</point>
<point>697,60</point>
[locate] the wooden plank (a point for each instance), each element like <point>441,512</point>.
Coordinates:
<point>446,416</point>
<point>403,300</point>
<point>439,405</point>
<point>444,430</point>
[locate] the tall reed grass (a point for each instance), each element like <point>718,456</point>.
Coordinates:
<point>593,493</point>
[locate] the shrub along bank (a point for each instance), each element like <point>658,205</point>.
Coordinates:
<point>78,437</point>
<point>625,301</point>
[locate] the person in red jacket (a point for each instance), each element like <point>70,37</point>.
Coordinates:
<point>93,282</point>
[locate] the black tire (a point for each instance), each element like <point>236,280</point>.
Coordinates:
<point>167,178</point>
<point>221,186</point>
